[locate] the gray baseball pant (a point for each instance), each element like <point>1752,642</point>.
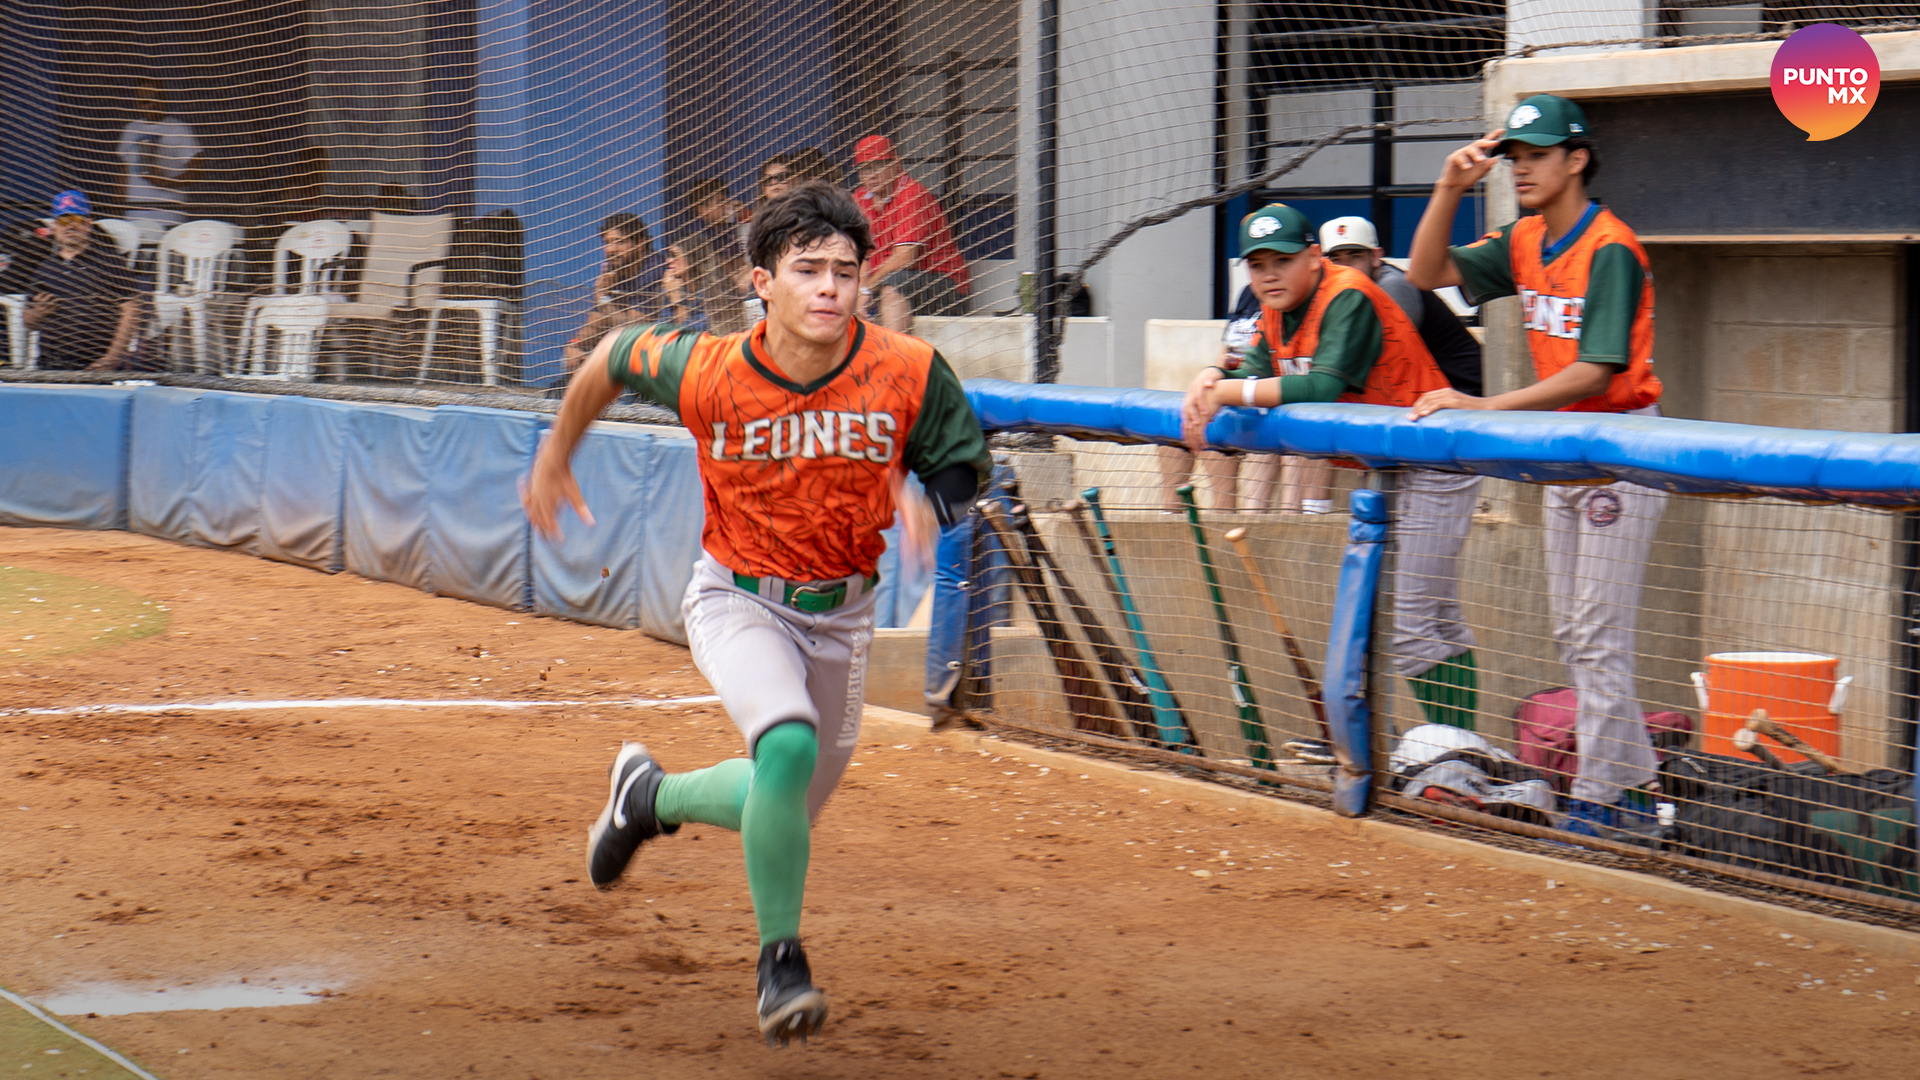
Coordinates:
<point>771,663</point>
<point>1432,513</point>
<point>1598,539</point>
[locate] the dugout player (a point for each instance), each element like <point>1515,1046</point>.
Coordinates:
<point>799,422</point>
<point>1356,344</point>
<point>1586,297</point>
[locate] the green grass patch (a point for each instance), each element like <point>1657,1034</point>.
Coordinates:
<point>29,1048</point>
<point>46,615</point>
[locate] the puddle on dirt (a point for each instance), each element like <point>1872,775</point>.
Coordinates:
<point>111,999</point>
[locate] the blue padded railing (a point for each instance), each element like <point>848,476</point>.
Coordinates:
<point>1685,456</point>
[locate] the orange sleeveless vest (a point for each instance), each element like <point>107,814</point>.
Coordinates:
<point>1405,369</point>
<point>1552,297</point>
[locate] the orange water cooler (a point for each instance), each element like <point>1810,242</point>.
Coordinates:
<point>1799,690</point>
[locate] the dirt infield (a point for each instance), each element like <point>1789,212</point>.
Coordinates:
<point>971,915</point>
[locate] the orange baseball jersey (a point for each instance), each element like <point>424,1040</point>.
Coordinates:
<point>796,477</point>
<point>1589,297</point>
<point>1400,374</point>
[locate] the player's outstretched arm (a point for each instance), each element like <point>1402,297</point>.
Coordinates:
<point>588,395</point>
<point>1429,266</point>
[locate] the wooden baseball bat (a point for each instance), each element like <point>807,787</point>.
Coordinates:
<point>1129,689</point>
<point>1253,727</point>
<point>1301,668</point>
<point>1749,742</point>
<point>1089,707</point>
<point>1759,722</point>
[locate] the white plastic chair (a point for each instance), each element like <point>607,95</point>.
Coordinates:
<point>284,335</point>
<point>487,311</point>
<point>23,345</point>
<point>125,235</point>
<point>307,261</point>
<point>190,273</point>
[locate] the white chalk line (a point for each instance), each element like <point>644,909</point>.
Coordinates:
<point>365,703</point>
<point>103,1050</point>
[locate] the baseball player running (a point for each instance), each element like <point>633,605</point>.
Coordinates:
<point>800,421</point>
<point>1354,343</point>
<point>1586,296</point>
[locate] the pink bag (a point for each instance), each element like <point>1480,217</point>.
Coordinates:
<point>1543,728</point>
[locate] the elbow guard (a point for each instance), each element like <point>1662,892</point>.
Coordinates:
<point>952,491</point>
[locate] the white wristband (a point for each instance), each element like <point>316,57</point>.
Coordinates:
<point>1246,390</point>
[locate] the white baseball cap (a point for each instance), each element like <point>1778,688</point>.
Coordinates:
<point>1348,232</point>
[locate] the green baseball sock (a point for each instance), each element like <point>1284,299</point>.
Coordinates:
<point>711,796</point>
<point>774,831</point>
<point>1449,691</point>
<point>765,801</point>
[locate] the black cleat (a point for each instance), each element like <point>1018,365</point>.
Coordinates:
<point>628,821</point>
<point>790,1007</point>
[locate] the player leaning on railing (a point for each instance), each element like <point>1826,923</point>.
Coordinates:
<point>1586,296</point>
<point>800,421</point>
<point>1355,343</point>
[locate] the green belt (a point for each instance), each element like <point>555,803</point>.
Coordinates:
<point>812,597</point>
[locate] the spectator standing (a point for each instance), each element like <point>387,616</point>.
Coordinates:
<point>1433,645</point>
<point>159,154</point>
<point>1352,241</point>
<point>1572,256</point>
<point>629,289</point>
<point>86,304</point>
<point>716,273</point>
<point>916,268</point>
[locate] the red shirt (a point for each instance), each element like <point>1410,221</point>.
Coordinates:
<point>913,216</point>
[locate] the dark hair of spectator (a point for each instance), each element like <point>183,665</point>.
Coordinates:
<point>813,164</point>
<point>777,159</point>
<point>705,190</point>
<point>810,213</point>
<point>1592,172</point>
<point>629,226</point>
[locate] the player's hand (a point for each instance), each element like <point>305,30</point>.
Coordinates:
<point>1197,411</point>
<point>1467,165</point>
<point>551,481</point>
<point>1434,400</point>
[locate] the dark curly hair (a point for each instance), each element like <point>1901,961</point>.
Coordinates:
<point>810,213</point>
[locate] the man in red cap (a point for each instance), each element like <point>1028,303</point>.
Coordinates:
<point>916,268</point>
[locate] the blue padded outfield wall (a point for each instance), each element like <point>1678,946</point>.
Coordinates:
<point>421,497</point>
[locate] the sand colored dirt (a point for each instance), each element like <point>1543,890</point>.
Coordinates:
<point>971,915</point>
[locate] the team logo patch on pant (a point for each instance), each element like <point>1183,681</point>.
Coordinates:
<point>1603,509</point>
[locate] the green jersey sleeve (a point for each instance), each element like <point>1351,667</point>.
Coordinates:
<point>1257,361</point>
<point>1614,283</point>
<point>652,360</point>
<point>1486,266</point>
<point>1350,340</point>
<point>946,433</point>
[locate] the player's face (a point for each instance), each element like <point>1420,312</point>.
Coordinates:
<point>813,290</point>
<point>1542,173</point>
<point>1284,281</point>
<point>1365,260</point>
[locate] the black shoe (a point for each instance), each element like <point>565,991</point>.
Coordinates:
<point>628,821</point>
<point>789,1005</point>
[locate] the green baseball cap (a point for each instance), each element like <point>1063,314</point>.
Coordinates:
<point>1546,120</point>
<point>1275,227</point>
